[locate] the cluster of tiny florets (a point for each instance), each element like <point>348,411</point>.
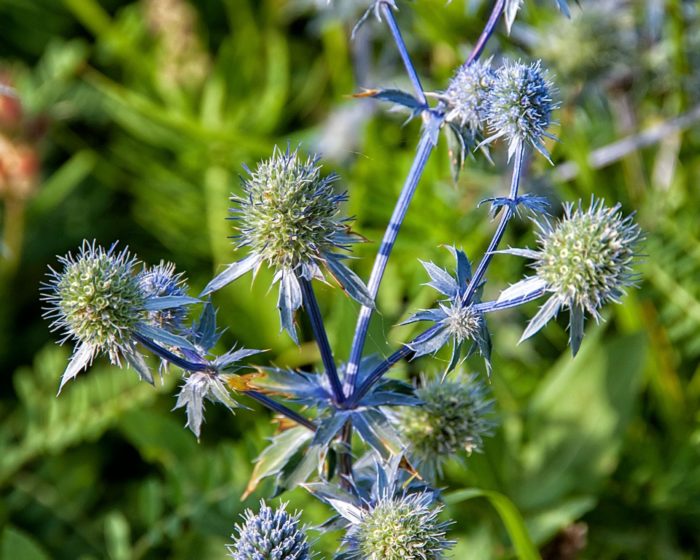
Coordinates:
<point>289,213</point>
<point>399,528</point>
<point>586,257</point>
<point>96,299</point>
<point>467,93</point>
<point>454,416</point>
<point>269,535</point>
<point>462,322</point>
<point>161,281</point>
<point>520,105</point>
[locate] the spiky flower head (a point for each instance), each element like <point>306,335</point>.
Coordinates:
<point>398,527</point>
<point>457,320</point>
<point>161,280</point>
<point>584,260</point>
<point>97,301</point>
<point>586,257</point>
<point>461,322</point>
<point>289,218</point>
<point>269,535</point>
<point>466,96</point>
<point>289,213</point>
<point>520,106</point>
<point>453,417</point>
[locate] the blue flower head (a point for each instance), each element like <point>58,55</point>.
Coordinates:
<point>520,106</point>
<point>269,535</point>
<point>162,281</point>
<point>466,96</point>
<point>97,301</point>
<point>394,521</point>
<point>584,261</point>
<point>289,218</point>
<point>456,321</point>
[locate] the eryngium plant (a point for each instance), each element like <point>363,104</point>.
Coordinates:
<point>367,445</point>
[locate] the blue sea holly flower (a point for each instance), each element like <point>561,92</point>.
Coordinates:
<point>520,106</point>
<point>289,218</point>
<point>584,260</point>
<point>162,281</point>
<point>455,321</point>
<point>466,96</point>
<point>269,535</point>
<point>465,101</point>
<point>453,416</point>
<point>98,301</point>
<point>394,520</point>
<point>397,528</point>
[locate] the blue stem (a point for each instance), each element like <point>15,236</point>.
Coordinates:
<point>508,213</point>
<point>405,350</point>
<point>385,366</point>
<point>277,407</point>
<point>174,359</point>
<point>311,306</point>
<point>388,15</point>
<point>498,8</point>
<point>425,147</point>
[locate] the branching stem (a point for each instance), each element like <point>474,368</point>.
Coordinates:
<point>316,319</point>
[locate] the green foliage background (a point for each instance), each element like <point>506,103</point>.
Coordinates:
<point>142,118</point>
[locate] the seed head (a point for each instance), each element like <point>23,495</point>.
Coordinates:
<point>520,106</point>
<point>467,93</point>
<point>453,418</point>
<point>161,281</point>
<point>401,527</point>
<point>269,535</point>
<point>289,213</point>
<point>585,258</point>
<point>96,300</point>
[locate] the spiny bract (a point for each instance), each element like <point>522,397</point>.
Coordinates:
<point>269,535</point>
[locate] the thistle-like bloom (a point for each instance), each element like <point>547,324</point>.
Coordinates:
<point>289,218</point>
<point>269,535</point>
<point>453,417</point>
<point>520,106</point>
<point>162,281</point>
<point>97,301</point>
<point>455,320</point>
<point>403,527</point>
<point>466,96</point>
<point>584,260</point>
<point>387,516</point>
